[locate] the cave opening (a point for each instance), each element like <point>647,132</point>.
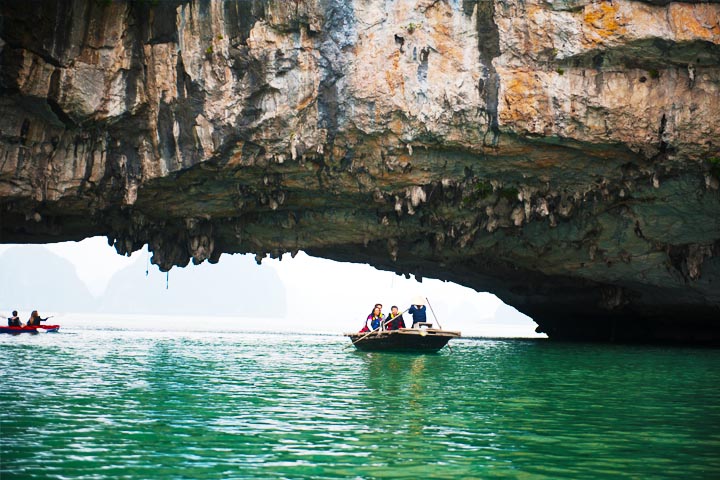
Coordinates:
<point>300,294</point>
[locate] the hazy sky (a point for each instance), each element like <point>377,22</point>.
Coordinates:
<point>319,290</point>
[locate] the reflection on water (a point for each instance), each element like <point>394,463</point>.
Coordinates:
<point>138,403</point>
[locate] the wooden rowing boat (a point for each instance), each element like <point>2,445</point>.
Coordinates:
<point>403,340</point>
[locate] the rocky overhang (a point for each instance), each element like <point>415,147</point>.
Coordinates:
<point>564,155</point>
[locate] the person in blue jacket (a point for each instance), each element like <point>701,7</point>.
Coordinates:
<point>418,313</point>
<point>376,318</point>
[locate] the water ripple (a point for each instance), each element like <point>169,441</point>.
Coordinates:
<point>108,404</point>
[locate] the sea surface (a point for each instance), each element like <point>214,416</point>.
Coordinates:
<point>142,400</point>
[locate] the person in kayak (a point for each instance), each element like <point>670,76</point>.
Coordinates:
<point>418,313</point>
<point>14,321</point>
<point>35,319</point>
<point>396,320</point>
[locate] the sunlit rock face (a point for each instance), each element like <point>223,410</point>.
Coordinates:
<point>564,155</point>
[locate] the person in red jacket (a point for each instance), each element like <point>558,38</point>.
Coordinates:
<point>396,319</point>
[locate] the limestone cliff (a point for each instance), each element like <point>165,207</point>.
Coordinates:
<point>563,154</point>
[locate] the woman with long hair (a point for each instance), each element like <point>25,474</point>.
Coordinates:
<point>375,319</point>
<point>35,319</point>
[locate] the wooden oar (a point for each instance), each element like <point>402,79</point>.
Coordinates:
<point>433,312</point>
<point>436,319</point>
<point>377,329</point>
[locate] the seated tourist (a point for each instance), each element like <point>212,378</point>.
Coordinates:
<point>376,318</point>
<point>14,321</point>
<point>396,320</point>
<point>35,319</point>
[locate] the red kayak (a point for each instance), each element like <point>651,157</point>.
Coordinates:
<point>31,329</point>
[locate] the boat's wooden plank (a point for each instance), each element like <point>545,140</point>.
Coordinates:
<point>406,331</point>
<point>407,340</point>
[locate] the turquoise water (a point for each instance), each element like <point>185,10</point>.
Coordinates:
<point>151,403</point>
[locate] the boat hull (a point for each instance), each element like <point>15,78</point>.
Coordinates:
<point>30,329</point>
<point>403,340</point>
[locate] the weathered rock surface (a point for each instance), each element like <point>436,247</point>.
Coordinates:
<point>563,154</point>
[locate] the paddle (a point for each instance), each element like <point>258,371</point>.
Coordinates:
<point>40,320</point>
<point>433,312</point>
<point>436,319</point>
<point>377,329</point>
